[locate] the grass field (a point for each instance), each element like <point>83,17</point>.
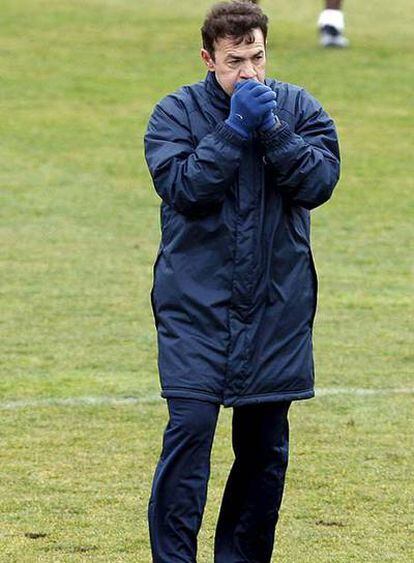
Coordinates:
<point>79,233</point>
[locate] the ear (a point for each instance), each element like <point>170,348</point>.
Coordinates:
<point>208,61</point>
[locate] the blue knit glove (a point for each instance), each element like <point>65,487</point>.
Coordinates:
<point>250,102</point>
<point>270,120</point>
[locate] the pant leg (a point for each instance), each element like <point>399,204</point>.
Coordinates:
<point>253,494</point>
<point>179,488</point>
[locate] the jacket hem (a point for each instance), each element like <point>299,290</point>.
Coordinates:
<point>237,401</point>
<point>187,393</point>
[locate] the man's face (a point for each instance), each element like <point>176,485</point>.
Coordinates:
<point>233,63</point>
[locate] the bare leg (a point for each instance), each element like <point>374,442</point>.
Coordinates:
<point>333,4</point>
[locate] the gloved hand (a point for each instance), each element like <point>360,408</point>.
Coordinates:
<point>269,121</point>
<point>250,103</point>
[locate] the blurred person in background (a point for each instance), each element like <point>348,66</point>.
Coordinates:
<point>239,160</point>
<point>331,24</point>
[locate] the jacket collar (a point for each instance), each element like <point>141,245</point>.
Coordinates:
<point>218,96</point>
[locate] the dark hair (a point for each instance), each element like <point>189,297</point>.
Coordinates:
<point>235,19</point>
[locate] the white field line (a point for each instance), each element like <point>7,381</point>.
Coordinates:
<point>78,402</point>
<point>323,391</point>
<point>155,398</point>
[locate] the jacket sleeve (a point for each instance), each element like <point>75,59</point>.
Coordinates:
<point>192,178</point>
<point>304,164</point>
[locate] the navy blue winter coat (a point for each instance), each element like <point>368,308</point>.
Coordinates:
<point>235,288</point>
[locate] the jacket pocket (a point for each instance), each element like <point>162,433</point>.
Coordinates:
<point>154,280</point>
<point>301,225</point>
<point>315,286</point>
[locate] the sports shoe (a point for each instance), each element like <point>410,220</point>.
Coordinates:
<point>330,36</point>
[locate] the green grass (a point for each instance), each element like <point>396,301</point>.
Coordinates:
<point>79,233</point>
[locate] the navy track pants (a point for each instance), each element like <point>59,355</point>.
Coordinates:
<point>253,493</point>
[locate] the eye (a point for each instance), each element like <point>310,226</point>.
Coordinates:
<point>259,56</point>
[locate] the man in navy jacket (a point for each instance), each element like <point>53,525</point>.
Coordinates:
<point>239,161</point>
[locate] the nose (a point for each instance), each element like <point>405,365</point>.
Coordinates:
<point>247,71</point>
